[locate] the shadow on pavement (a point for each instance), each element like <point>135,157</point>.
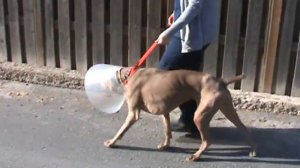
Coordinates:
<point>278,146</point>
<point>271,142</point>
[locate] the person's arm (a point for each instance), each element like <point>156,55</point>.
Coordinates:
<point>193,9</point>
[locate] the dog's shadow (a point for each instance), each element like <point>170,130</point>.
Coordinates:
<point>273,146</point>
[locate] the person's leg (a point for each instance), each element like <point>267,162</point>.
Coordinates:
<point>171,56</point>
<point>185,122</point>
<point>191,61</point>
<point>173,59</point>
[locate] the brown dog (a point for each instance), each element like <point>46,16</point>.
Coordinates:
<point>159,92</point>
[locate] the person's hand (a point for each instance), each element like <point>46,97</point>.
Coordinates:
<point>162,39</point>
<point>171,19</point>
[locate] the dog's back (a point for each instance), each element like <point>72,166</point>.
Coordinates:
<point>160,91</point>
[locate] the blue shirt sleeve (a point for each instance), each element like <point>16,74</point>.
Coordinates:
<point>192,10</point>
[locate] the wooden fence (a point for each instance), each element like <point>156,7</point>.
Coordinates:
<point>257,37</point>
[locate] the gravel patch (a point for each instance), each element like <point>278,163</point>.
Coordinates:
<point>41,75</point>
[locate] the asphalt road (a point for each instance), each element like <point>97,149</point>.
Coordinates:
<point>47,127</point>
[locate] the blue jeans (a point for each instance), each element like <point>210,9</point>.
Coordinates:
<point>173,59</point>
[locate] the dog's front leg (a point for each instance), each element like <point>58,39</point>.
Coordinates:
<point>130,120</point>
<point>168,134</point>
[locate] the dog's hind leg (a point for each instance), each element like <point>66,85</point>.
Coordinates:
<point>132,117</point>
<point>206,110</point>
<point>228,110</point>
<point>168,133</point>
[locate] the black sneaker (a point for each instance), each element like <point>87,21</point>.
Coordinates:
<point>182,127</point>
<point>179,127</point>
<point>189,138</point>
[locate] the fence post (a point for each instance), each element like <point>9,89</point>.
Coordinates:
<point>64,33</point>
<point>116,32</point>
<point>14,31</point>
<point>98,31</point>
<point>285,46</point>
<point>80,35</point>
<point>39,32</point>
<point>29,32</point>
<point>271,43</point>
<point>252,41</point>
<point>232,38</point>
<point>135,31</point>
<point>3,46</point>
<point>296,81</point>
<point>153,29</point>
<point>49,33</point>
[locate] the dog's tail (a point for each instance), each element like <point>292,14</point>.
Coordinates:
<point>234,79</point>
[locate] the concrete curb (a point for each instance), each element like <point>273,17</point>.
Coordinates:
<point>57,77</point>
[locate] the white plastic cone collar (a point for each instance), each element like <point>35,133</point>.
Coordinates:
<point>103,88</point>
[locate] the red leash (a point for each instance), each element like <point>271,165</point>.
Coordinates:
<point>143,59</point>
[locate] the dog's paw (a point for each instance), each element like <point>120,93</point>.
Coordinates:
<point>162,146</point>
<point>193,158</point>
<point>109,143</point>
